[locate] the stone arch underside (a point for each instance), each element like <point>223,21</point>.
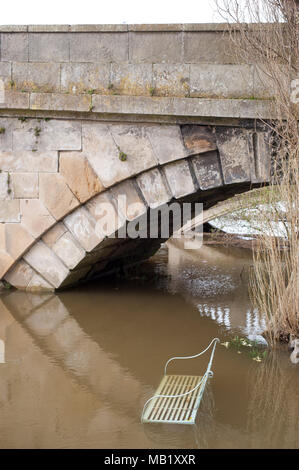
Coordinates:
<point>161,164</point>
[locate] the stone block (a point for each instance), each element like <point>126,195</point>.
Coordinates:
<point>55,194</point>
<point>82,225</point>
<point>14,47</point>
<point>17,239</point>
<point>24,185</point>
<point>179,178</point>
<point>207,170</point>
<point>166,142</point>
<point>234,149</point>
<point>52,235</point>
<point>39,284</point>
<point>23,161</point>
<point>80,78</point>
<point>47,264</point>
<point>153,188</point>
<point>51,135</point>
<point>133,206</point>
<point>60,102</point>
<point>20,275</point>
<point>5,186</point>
<point>35,217</point>
<point>157,47</point>
<point>10,210</point>
<point>131,79</point>
<point>5,74</point>
<point>6,126</point>
<point>102,145</point>
<point>208,47</point>
<point>108,220</point>
<point>79,175</point>
<point>49,47</point>
<point>30,76</point>
<point>6,262</point>
<point>134,142</point>
<point>221,80</point>
<point>68,250</point>
<point>171,79</point>
<point>94,47</point>
<point>15,100</point>
<point>198,139</point>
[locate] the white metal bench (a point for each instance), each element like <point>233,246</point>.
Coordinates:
<point>178,397</point>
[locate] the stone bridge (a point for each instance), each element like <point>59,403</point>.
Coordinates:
<point>159,113</point>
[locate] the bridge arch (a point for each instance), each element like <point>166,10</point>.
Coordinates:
<point>55,244</point>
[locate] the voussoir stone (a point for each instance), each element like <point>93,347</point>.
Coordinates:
<point>56,195</point>
<point>35,216</point>
<point>45,262</point>
<point>79,175</point>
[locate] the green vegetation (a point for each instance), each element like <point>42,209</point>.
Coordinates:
<point>2,130</point>
<point>245,345</point>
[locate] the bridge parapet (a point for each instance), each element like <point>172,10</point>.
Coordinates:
<point>161,70</point>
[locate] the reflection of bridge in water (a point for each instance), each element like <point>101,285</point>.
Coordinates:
<point>115,396</point>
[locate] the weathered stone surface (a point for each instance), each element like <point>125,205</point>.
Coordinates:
<point>179,178</point>
<point>171,79</point>
<point>79,175</point>
<point>105,47</point>
<point>207,170</point>
<point>30,76</point>
<point>35,217</point>
<point>20,275</point>
<point>166,142</point>
<point>102,145</point>
<point>233,146</point>
<point>39,284</point>
<point>46,263</point>
<point>52,135</point>
<point>153,188</point>
<point>26,161</point>
<point>208,47</point>
<point>6,126</point>
<point>198,139</point>
<point>68,250</point>
<point>262,154</point>
<point>221,80</point>
<point>24,185</point>
<point>17,239</point>
<point>55,194</point>
<point>104,212</point>
<point>49,47</point>
<point>6,262</point>
<point>82,225</point>
<point>81,78</point>
<point>5,186</point>
<point>10,210</point>
<point>133,205</point>
<point>52,235</point>
<point>159,47</point>
<point>15,100</point>
<point>134,142</point>
<point>14,47</point>
<point>60,102</point>
<point>131,79</point>
<point>5,73</point>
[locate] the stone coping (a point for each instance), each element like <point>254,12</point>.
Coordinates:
<point>113,28</point>
<point>139,105</point>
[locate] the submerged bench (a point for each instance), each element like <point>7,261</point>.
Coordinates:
<point>178,397</point>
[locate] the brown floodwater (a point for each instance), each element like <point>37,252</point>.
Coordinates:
<point>80,365</point>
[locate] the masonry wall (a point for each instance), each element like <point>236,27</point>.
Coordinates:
<point>140,60</point>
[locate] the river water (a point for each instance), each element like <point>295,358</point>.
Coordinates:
<point>80,365</point>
